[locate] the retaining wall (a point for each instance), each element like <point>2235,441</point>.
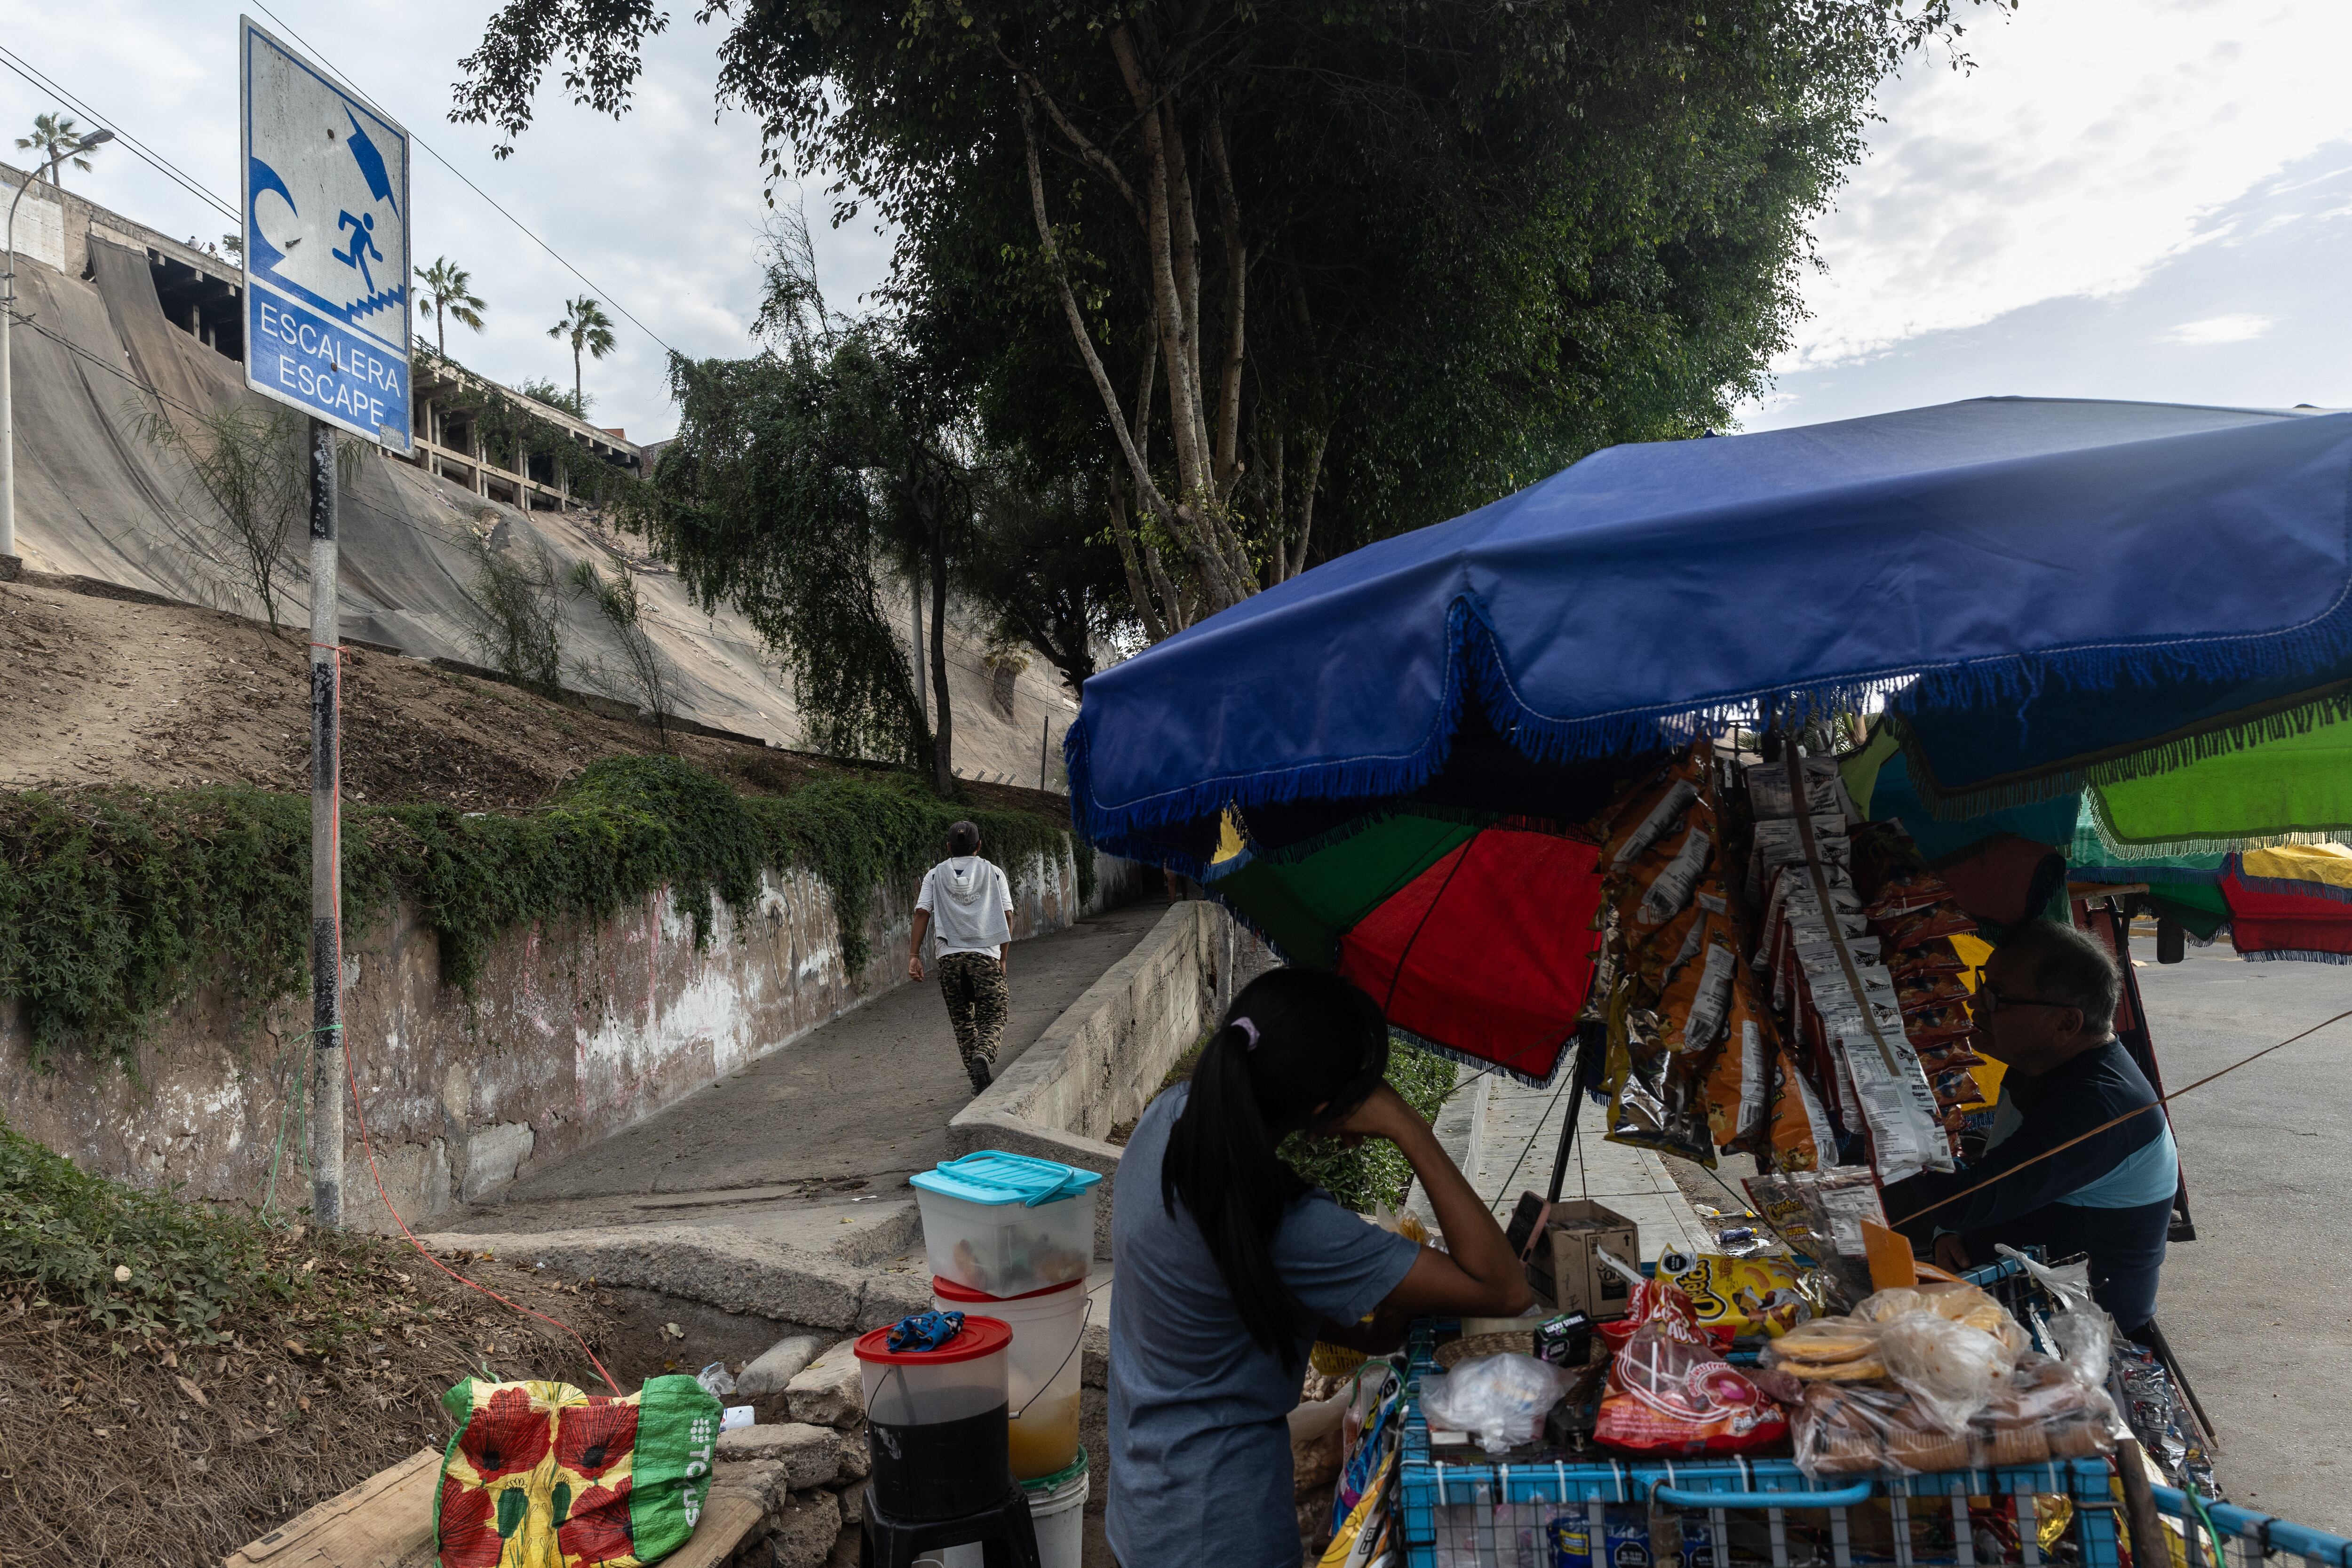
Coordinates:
<point>570,1035</point>
<point>1099,1064</point>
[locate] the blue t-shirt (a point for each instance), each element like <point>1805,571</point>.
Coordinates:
<point>1199,1449</point>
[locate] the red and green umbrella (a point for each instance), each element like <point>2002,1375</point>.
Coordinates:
<point>1475,936</point>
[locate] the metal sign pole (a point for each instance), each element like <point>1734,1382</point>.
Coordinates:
<point>326,842</point>
<point>327,272</point>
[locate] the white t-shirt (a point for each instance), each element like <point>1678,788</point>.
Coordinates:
<point>970,906</point>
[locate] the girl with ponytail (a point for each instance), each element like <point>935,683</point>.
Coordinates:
<point>1230,1266</point>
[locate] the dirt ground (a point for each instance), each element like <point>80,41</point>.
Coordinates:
<point>115,1450</point>
<point>96,690</point>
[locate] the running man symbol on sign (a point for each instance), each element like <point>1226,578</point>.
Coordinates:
<point>362,247</point>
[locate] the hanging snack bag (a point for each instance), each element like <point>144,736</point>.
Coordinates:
<point>1670,1390</point>
<point>1801,1137</point>
<point>1739,1084</point>
<point>1696,1002</point>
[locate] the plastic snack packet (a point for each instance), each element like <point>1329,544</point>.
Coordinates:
<point>1670,1390</point>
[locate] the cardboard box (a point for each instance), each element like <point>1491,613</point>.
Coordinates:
<point>1565,1270</point>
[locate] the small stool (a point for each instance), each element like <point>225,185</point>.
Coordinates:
<point>1005,1534</point>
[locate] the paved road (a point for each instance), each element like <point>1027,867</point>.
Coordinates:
<point>2259,1308</point>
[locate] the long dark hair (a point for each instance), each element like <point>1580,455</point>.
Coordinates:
<point>1298,1049</point>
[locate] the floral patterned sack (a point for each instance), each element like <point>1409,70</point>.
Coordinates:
<point>540,1475</point>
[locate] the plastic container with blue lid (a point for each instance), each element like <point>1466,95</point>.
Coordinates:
<point>1006,1224</point>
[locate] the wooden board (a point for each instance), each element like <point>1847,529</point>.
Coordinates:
<point>385,1522</point>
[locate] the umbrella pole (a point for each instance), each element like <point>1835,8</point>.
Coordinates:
<point>1580,1081</point>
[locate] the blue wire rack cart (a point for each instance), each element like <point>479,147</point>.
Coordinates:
<point>1469,1512</point>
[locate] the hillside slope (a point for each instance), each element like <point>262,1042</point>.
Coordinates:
<point>96,498</point>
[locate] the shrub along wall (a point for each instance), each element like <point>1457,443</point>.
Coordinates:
<point>114,901</point>
<point>515,986</point>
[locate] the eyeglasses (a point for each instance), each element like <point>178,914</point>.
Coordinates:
<point>1990,999</point>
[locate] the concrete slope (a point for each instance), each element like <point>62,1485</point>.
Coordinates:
<point>96,498</point>
<point>795,1167</point>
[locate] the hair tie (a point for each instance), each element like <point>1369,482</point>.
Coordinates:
<point>1249,1030</point>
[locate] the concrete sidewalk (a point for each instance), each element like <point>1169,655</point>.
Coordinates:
<point>782,1190</point>
<point>1504,1136</point>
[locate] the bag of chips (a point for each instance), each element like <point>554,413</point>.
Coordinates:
<point>1739,1083</point>
<point>1924,925</point>
<point>1801,1137</point>
<point>1671,1392</point>
<point>1754,1296</point>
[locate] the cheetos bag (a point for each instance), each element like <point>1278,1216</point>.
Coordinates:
<point>540,1475</point>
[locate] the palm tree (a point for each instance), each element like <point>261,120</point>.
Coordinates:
<point>448,291</point>
<point>585,324</point>
<point>54,137</point>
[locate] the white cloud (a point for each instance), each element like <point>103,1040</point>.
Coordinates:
<point>2234,329</point>
<point>2088,146</point>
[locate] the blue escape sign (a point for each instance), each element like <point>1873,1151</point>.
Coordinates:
<point>326,246</point>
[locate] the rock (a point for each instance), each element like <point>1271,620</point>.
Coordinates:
<point>852,1500</point>
<point>890,1296</point>
<point>846,1549</point>
<point>803,1528</point>
<point>811,1456</point>
<point>825,1392</point>
<point>856,1462</point>
<point>777,1366</point>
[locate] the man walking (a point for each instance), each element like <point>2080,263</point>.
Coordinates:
<point>968,902</point>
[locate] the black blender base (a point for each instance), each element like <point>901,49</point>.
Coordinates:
<point>1005,1534</point>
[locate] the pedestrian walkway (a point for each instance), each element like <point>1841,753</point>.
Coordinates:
<point>783,1189</point>
<point>1506,1135</point>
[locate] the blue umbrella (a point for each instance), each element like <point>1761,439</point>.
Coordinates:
<point>2027,581</point>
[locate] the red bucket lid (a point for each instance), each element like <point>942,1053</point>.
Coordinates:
<point>948,1291</point>
<point>979,1337</point>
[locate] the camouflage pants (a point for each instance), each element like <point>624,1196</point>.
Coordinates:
<point>973,984</point>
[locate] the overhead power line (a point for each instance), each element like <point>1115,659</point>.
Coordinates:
<point>194,187</point>
<point>601,292</point>
<point>137,148</point>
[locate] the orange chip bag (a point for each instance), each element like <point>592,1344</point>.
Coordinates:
<point>1739,1088</point>
<point>1801,1137</point>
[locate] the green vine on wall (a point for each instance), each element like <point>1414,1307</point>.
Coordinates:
<point>117,902</point>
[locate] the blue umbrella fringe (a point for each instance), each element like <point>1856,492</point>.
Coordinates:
<point>1474,663</point>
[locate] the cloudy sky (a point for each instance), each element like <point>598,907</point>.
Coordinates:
<point>2129,198</point>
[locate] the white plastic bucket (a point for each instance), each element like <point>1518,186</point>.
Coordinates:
<point>1059,1515</point>
<point>1041,1380</point>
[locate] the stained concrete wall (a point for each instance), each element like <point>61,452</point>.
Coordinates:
<point>568,1036</point>
<point>1102,1061</point>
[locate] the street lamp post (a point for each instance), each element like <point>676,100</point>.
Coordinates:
<point>7,389</point>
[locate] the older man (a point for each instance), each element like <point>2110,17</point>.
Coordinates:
<point>2081,1158</point>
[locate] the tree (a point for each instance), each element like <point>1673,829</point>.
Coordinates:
<point>448,291</point>
<point>53,139</point>
<point>251,461</point>
<point>644,677</point>
<point>799,478</point>
<point>1310,272</point>
<point>1040,561</point>
<point>585,326</point>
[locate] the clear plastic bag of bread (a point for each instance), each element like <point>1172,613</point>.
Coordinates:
<point>1829,1350</point>
<point>2041,1412</point>
<point>1951,1346</point>
<point>1851,1429</point>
